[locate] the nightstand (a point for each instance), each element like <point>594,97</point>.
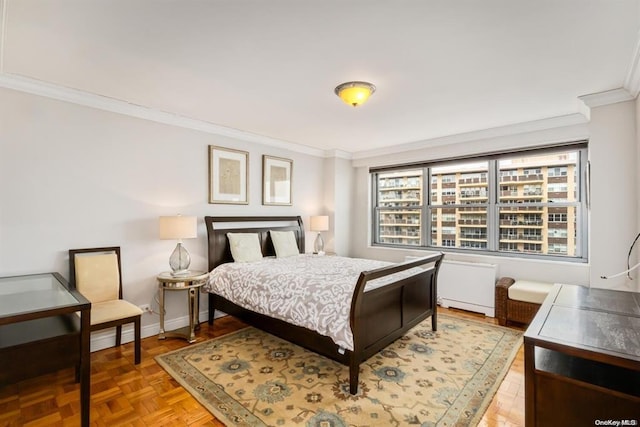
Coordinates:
<point>191,283</point>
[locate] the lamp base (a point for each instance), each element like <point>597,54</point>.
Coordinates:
<point>179,261</point>
<point>318,245</point>
<point>181,273</point>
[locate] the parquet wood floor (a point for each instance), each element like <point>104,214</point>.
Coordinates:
<point>123,394</point>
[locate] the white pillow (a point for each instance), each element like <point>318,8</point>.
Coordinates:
<point>245,247</point>
<point>284,243</point>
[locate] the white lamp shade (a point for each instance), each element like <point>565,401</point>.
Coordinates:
<point>178,227</point>
<point>319,223</point>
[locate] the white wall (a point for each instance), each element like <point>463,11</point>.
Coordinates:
<point>613,222</point>
<point>74,177</point>
<point>338,202</point>
<point>337,189</point>
<point>344,183</point>
<point>328,203</point>
<point>614,192</point>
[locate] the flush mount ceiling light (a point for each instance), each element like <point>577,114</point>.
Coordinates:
<point>355,93</point>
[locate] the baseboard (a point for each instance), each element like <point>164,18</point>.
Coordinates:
<point>107,338</point>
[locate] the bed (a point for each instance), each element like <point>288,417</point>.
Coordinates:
<point>376,317</point>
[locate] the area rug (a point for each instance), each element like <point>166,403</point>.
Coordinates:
<point>426,378</point>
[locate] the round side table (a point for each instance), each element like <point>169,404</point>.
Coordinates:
<point>191,282</point>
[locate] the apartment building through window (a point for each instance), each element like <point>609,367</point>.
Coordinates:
<point>525,203</point>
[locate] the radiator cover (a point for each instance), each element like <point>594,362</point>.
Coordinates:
<point>467,285</point>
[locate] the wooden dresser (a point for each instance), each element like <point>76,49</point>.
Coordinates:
<point>582,359</point>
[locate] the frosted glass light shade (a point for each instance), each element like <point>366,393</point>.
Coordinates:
<point>355,93</point>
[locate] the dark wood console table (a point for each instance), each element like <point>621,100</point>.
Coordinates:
<point>40,331</point>
<point>582,359</point>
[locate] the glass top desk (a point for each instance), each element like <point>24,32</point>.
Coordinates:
<point>40,331</point>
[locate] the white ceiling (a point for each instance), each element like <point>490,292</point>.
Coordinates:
<point>269,67</point>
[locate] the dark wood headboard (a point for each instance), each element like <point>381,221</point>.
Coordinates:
<point>219,226</point>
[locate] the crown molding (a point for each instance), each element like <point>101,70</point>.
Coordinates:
<point>496,132</point>
<point>87,99</point>
<point>338,154</point>
<point>606,98</point>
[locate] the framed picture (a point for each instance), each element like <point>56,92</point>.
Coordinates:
<point>228,176</point>
<point>276,181</point>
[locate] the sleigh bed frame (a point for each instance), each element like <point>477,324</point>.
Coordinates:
<point>378,317</point>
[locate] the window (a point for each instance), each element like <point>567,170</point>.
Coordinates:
<point>449,231</point>
<point>399,198</point>
<point>557,217</point>
<point>509,247</point>
<point>558,232</point>
<point>531,172</point>
<point>532,247</point>
<point>557,188</point>
<point>561,171</point>
<point>458,191</point>
<point>518,204</point>
<point>557,248</point>
<point>533,190</point>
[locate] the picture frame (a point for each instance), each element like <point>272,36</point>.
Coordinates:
<point>228,176</point>
<point>277,180</point>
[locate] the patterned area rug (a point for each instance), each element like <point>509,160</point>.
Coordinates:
<point>446,378</point>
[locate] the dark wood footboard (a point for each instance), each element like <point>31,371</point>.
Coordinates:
<point>382,315</point>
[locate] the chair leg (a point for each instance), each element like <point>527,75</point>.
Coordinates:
<point>136,327</point>
<point>118,335</point>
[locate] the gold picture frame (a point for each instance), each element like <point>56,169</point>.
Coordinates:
<point>228,176</point>
<point>277,180</point>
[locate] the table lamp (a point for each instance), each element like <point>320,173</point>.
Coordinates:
<point>319,223</point>
<point>179,227</point>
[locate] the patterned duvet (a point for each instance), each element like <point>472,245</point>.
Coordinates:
<point>306,290</point>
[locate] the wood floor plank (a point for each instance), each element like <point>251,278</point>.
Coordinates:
<point>124,394</point>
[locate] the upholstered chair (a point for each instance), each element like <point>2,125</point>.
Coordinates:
<point>96,273</point>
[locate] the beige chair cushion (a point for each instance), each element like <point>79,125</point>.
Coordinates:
<point>107,311</point>
<point>529,291</point>
<point>97,276</point>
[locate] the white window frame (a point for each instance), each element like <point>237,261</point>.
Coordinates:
<point>428,205</point>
